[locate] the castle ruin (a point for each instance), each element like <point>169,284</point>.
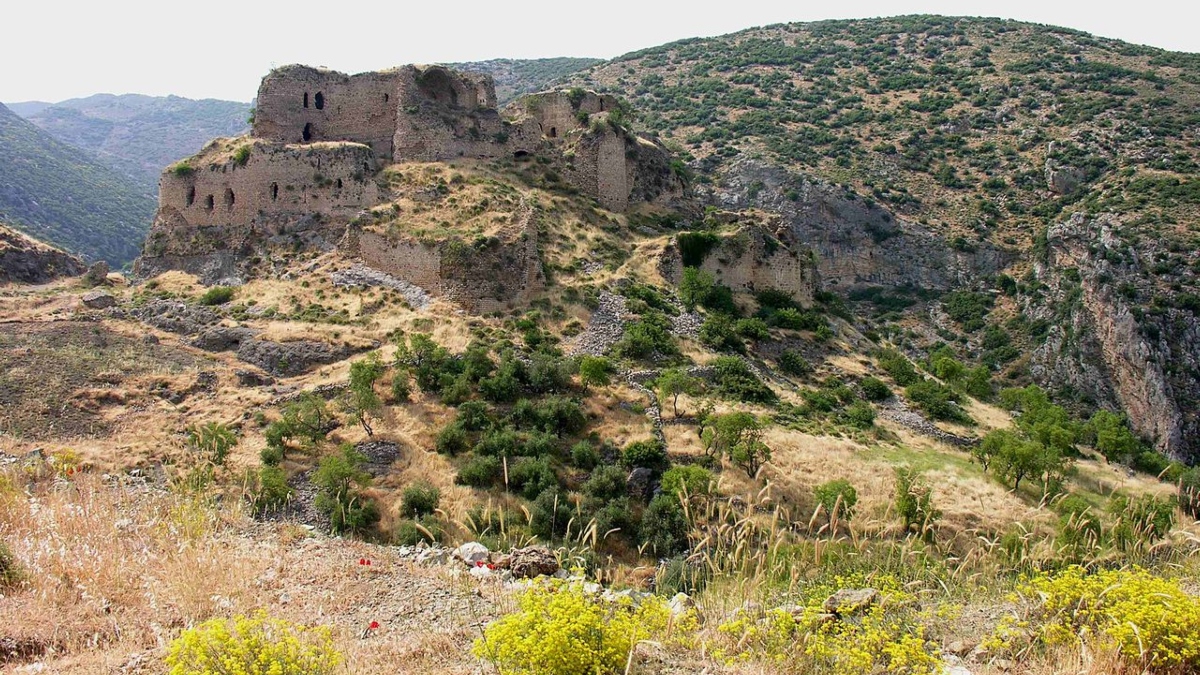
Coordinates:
<point>320,137</point>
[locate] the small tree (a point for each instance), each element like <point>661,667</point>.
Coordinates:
<point>339,479</point>
<point>213,441</point>
<point>594,370</point>
<point>750,456</point>
<point>837,498</point>
<point>420,499</point>
<point>695,287</point>
<point>664,527</point>
<point>676,381</point>
<point>361,400</point>
<point>914,503</point>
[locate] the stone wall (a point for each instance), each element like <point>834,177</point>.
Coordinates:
<point>300,104</point>
<point>318,178</point>
<point>505,273</point>
<point>751,259</point>
<point>558,112</point>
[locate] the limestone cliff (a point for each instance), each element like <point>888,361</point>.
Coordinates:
<point>1105,346</point>
<point>856,242</point>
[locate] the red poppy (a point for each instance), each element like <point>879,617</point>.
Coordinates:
<point>368,562</point>
<point>490,566</point>
<point>362,561</point>
<point>374,625</point>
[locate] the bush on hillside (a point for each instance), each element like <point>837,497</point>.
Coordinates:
<point>252,645</point>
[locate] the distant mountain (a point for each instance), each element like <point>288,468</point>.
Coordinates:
<point>522,76</point>
<point>62,195</point>
<point>138,135</point>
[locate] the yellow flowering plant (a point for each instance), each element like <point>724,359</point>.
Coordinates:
<point>252,645</point>
<point>1147,619</point>
<point>561,629</point>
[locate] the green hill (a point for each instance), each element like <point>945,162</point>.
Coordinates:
<point>522,76</point>
<point>59,194</point>
<point>1054,172</point>
<point>140,135</point>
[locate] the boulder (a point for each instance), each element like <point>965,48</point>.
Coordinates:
<point>222,338</point>
<point>471,552</point>
<point>850,601</point>
<point>97,274</point>
<point>253,378</point>
<point>640,482</point>
<point>681,603</point>
<point>98,300</point>
<point>534,561</point>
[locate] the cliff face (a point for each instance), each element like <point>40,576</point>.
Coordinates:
<point>1108,345</point>
<point>26,260</point>
<point>856,243</point>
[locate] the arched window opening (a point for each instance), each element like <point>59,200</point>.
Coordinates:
<point>208,202</point>
<point>339,183</point>
<point>274,191</point>
<point>553,132</point>
<point>307,133</point>
<point>191,196</point>
<point>306,99</point>
<point>520,154</point>
<point>386,97</point>
<point>229,198</point>
<point>319,101</point>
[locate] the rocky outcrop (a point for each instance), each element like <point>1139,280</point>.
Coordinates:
<point>285,359</point>
<point>26,260</point>
<point>1105,348</point>
<point>856,242</point>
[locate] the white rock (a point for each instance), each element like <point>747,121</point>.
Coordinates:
<point>681,603</point>
<point>481,572</point>
<point>471,552</point>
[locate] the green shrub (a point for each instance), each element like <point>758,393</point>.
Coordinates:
<point>605,484</point>
<point>1189,492</point>
<point>914,504</point>
<point>694,247</point>
<point>859,414</point>
<point>254,645</point>
<point>420,499</point>
<point>412,532</point>
<point>339,478</point>
<point>898,367</point>
<point>595,371</point>
<point>242,155</point>
<point>1140,521</point>
<point>584,455</point>
<point>269,490</point>
<point>664,527</point>
<point>875,389</point>
<point>837,497</point>
<point>1079,526</point>
<point>734,380</point>
<point>937,400</point>
<point>182,169</point>
<point>11,573</point>
<point>550,515</point>
<point>531,477</point>
<point>648,454</point>
<point>793,363</point>
<point>752,329</point>
<point>452,439</point>
<point>217,295</point>
<point>213,441</point>
<point>688,479</point>
<point>718,332</point>
<point>480,472</point>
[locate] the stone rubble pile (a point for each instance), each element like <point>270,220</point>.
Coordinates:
<point>359,275</point>
<point>604,329</point>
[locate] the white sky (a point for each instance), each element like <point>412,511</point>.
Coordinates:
<point>53,49</point>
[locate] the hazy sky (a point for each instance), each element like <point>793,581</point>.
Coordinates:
<point>52,50</point>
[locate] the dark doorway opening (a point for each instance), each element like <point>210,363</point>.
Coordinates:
<point>208,202</point>
<point>191,196</point>
<point>307,133</point>
<point>306,99</point>
<point>319,101</point>
<point>229,198</point>
<point>553,132</point>
<point>274,191</point>
<point>339,183</point>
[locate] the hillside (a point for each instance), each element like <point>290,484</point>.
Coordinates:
<point>27,260</point>
<point>523,76</point>
<point>1052,170</point>
<point>139,135</point>
<point>62,195</point>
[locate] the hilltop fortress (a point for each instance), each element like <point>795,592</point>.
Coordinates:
<point>320,140</point>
